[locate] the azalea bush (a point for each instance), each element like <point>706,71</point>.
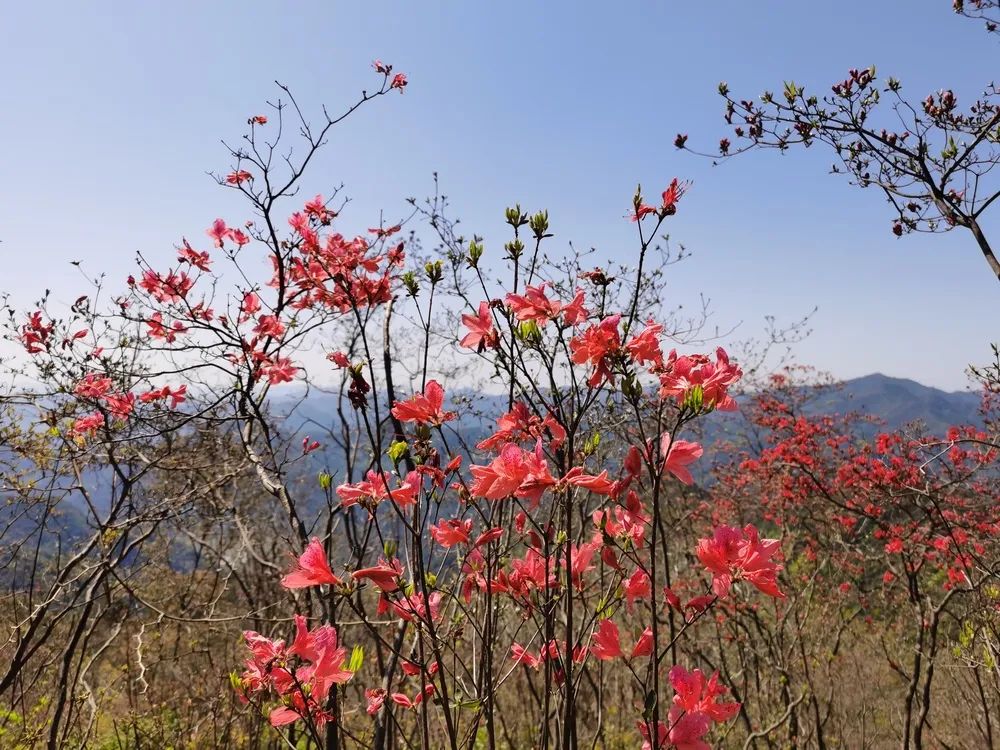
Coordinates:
<point>404,574</point>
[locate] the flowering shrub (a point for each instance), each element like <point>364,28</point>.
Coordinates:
<point>544,584</point>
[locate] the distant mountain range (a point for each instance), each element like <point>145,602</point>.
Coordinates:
<point>897,402</point>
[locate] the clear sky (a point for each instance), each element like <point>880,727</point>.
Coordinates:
<point>114,112</point>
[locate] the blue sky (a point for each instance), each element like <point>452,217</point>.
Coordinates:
<point>114,113</point>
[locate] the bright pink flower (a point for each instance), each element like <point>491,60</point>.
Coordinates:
<point>574,313</point>
<point>451,532</point>
<point>219,232</point>
<point>694,694</point>
<point>158,330</point>
<point>517,472</point>
<point>521,655</point>
<point>269,325</point>
<point>311,569</point>
<point>93,385</point>
<point>672,194</point>
<point>643,646</point>
<point>166,289</point>
<point>681,375</point>
<point>580,560</point>
<point>249,307</point>
<point>399,82</point>
<point>645,346</point>
<point>490,535</point>
<point>375,697</point>
<point>595,346</point>
<point>599,485</point>
<point>641,211</point>
<point>188,254</point>
<point>677,455</point>
<point>176,395</point>
<point>732,555</point>
<point>637,586</point>
<point>606,642</point>
<point>89,424</point>
<point>424,408</point>
<point>238,177</point>
<point>339,359</point>
<point>34,334</point>
<point>385,575</point>
<point>416,606</point>
<point>374,490</point>
<point>279,370</point>
<point>519,425</point>
<point>533,305</point>
<point>120,405</point>
<point>481,335</point>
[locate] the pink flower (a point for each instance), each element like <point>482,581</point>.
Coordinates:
<point>120,405</point>
<point>643,646</point>
<point>645,346</point>
<point>522,656</point>
<point>732,555</point>
<point>424,408</point>
<point>481,335</point>
<point>681,375</point>
<point>34,334</point>
<point>678,455</point>
<point>188,254</point>
<point>595,346</point>
<point>673,194</point>
<point>249,307</point>
<point>451,532</point>
<point>219,232</point>
<point>176,395</point>
<point>311,569</point>
<point>490,535</point>
<point>339,359</point>
<point>637,586</point>
<point>374,489</point>
<point>533,305</point>
<point>419,607</point>
<point>89,424</point>
<point>93,386</point>
<point>158,330</point>
<point>606,643</point>
<point>375,697</point>
<point>279,370</point>
<point>517,472</point>
<point>693,695</point>
<point>599,485</point>
<point>519,424</point>
<point>574,312</point>
<point>399,82</point>
<point>385,575</point>
<point>269,325</point>
<point>238,177</point>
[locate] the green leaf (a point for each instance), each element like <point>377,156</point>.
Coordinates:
<point>357,659</point>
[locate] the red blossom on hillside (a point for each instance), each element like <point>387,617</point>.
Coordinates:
<point>734,555</point>
<point>424,408</point>
<point>311,569</point>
